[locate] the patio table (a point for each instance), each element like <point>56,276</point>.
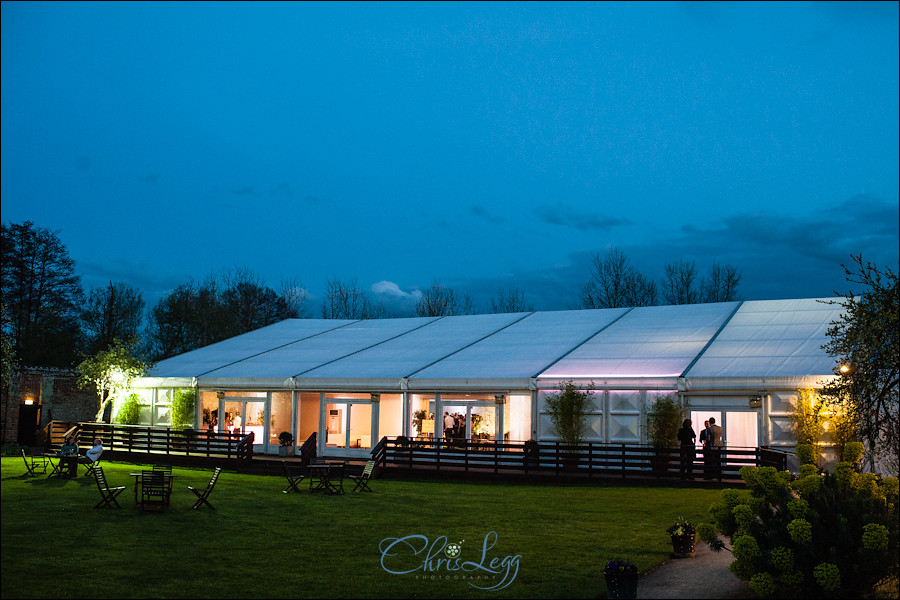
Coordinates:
<point>328,477</point>
<point>137,482</point>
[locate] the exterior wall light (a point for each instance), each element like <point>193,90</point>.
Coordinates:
<point>220,395</point>
<point>29,400</point>
<point>755,401</point>
<point>376,397</point>
<point>499,399</point>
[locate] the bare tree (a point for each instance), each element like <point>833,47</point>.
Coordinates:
<point>439,300</point>
<point>295,295</point>
<point>112,312</point>
<point>346,300</point>
<point>679,283</point>
<point>721,284</point>
<point>510,301</point>
<point>616,283</point>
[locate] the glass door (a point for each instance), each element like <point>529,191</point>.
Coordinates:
<point>245,415</point>
<point>348,425</point>
<point>473,421</point>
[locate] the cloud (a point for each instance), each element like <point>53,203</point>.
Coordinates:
<point>480,211</point>
<point>564,215</point>
<point>395,300</point>
<point>244,191</point>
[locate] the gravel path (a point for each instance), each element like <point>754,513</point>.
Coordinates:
<point>704,576</point>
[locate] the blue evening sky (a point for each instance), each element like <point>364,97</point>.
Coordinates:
<point>482,145</point>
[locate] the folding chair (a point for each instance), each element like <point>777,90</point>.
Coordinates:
<point>154,490</point>
<point>203,494</point>
<point>88,465</point>
<point>107,494</point>
<point>292,479</point>
<point>34,462</point>
<point>362,481</point>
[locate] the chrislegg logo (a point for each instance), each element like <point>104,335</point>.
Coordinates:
<point>440,560</point>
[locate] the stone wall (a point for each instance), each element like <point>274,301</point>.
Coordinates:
<point>55,390</point>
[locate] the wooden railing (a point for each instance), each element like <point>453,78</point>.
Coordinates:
<point>621,461</point>
<point>308,450</point>
<point>140,439</point>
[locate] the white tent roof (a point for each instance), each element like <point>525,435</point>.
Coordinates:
<point>659,344</point>
<point>772,338</point>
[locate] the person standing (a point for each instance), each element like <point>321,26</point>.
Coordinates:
<point>449,422</point>
<point>714,439</point>
<point>688,440</point>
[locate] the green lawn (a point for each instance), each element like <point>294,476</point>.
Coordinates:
<point>550,541</point>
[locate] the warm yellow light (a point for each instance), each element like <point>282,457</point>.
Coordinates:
<point>29,401</point>
<point>845,368</point>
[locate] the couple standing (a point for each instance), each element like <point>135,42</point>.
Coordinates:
<point>710,438</point>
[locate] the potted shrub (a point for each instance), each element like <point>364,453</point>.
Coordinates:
<point>287,444</point>
<point>419,416</point>
<point>684,537</point>
<point>621,578</point>
<point>662,422</point>
<point>568,409</point>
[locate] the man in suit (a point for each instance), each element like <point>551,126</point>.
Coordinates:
<point>714,442</point>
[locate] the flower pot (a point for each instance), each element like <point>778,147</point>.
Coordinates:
<point>621,585</point>
<point>285,450</point>
<point>683,546</point>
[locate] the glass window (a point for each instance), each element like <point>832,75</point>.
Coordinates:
<point>281,417</point>
<point>390,416</point>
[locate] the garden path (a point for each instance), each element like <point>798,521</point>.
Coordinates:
<point>704,576</point>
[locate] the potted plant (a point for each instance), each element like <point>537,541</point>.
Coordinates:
<point>683,536</point>
<point>287,444</point>
<point>662,423</point>
<point>567,409</point>
<point>621,578</point>
<point>419,416</point>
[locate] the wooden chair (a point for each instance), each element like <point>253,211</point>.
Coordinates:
<point>107,494</point>
<point>292,479</point>
<point>154,490</point>
<point>362,481</point>
<point>203,494</point>
<point>88,465</point>
<point>34,462</point>
<point>166,469</point>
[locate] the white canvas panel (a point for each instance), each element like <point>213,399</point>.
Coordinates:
<point>624,428</point>
<point>295,359</point>
<point>624,401</point>
<point>524,348</point>
<point>409,354</point>
<point>771,338</point>
<point>783,402</point>
<point>653,341</point>
<point>781,432</point>
<point>594,428</point>
<point>203,360</point>
<point>546,430</point>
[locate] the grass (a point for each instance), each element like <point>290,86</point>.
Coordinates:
<point>260,543</point>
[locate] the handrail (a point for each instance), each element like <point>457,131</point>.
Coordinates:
<point>620,460</point>
<point>379,452</point>
<point>308,449</point>
<point>244,450</point>
<point>141,439</point>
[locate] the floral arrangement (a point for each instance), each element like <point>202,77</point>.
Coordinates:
<point>681,527</point>
<point>619,566</point>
